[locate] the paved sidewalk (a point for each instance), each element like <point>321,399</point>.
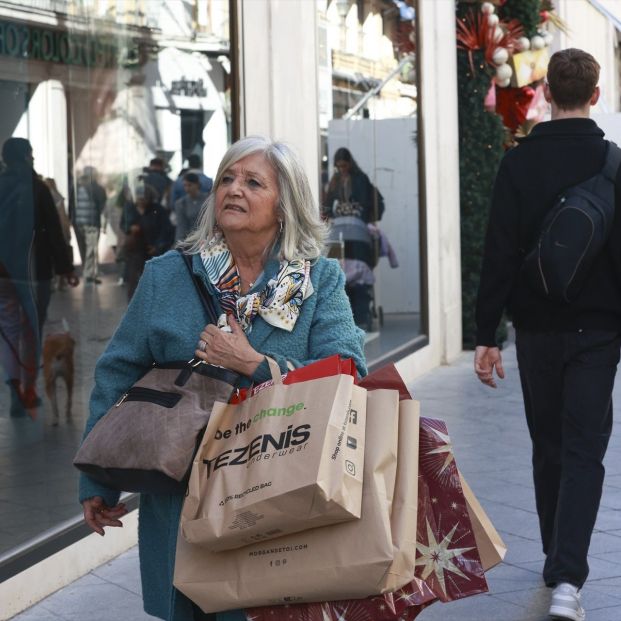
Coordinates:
<point>492,449</point>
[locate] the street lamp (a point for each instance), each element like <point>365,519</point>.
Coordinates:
<point>342,6</point>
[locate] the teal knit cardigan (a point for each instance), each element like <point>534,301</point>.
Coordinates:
<point>162,324</point>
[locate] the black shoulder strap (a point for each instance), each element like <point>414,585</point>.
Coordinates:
<point>203,294</point>
<point>613,161</point>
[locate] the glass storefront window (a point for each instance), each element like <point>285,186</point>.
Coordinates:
<point>368,115</point>
<point>115,98</point>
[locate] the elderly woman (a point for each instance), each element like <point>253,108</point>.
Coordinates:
<point>257,247</point>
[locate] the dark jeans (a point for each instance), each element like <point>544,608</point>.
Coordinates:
<point>360,297</point>
<point>567,381</point>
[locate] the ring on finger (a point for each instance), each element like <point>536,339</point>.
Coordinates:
<point>202,345</point>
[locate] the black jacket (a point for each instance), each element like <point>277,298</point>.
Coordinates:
<point>31,236</point>
<point>157,229</point>
<point>556,155</point>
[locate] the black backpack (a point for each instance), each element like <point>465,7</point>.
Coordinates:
<point>573,234</point>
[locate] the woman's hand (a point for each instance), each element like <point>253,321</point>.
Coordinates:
<point>228,349</point>
<point>97,514</point>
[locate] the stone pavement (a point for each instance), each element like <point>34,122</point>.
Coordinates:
<point>492,449</point>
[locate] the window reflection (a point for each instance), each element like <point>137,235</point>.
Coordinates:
<point>369,184</point>
<point>125,107</point>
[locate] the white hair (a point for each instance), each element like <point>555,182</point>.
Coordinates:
<point>303,232</point>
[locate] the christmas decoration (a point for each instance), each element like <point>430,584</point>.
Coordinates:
<point>537,42</point>
<point>513,104</point>
<point>508,57</point>
<point>448,566</point>
<point>522,44</point>
<point>500,55</point>
<point>504,72</point>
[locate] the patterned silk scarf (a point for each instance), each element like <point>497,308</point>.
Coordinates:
<point>279,301</point>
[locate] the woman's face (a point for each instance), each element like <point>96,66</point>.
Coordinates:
<point>343,166</point>
<point>247,197</point>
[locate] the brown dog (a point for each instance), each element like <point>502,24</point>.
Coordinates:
<point>58,362</point>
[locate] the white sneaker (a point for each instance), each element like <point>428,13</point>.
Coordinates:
<point>566,603</point>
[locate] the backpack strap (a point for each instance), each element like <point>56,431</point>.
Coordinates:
<point>613,161</point>
<point>203,294</point>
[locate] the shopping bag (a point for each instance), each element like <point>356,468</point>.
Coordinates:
<point>287,459</point>
<point>343,560</point>
<point>405,500</point>
<point>447,564</point>
<point>326,367</point>
<point>490,545</point>
<point>387,377</point>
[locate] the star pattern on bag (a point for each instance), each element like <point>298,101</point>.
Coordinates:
<point>436,557</point>
<point>444,449</point>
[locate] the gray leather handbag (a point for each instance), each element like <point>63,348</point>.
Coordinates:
<point>147,439</point>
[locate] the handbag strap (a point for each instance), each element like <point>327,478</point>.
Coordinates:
<point>199,285</point>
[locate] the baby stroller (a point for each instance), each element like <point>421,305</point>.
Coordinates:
<point>353,244</point>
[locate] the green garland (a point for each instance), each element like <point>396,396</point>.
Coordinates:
<point>481,147</point>
<point>481,138</point>
<point>525,11</point>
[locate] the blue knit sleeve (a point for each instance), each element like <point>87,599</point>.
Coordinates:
<point>126,359</point>
<point>332,329</point>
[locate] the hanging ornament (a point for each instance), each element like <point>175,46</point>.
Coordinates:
<point>492,20</point>
<point>522,44</point>
<point>504,72</point>
<point>503,83</point>
<point>513,105</point>
<point>548,37</point>
<point>500,55</point>
<point>499,33</point>
<point>537,43</point>
<point>488,8</point>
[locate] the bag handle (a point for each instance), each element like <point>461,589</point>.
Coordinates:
<point>199,285</point>
<point>274,370</point>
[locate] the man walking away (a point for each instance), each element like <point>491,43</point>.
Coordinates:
<point>567,351</point>
<point>90,202</point>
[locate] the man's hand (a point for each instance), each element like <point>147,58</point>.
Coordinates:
<point>485,360</point>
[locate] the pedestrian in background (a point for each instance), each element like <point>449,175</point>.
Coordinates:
<point>90,202</point>
<point>65,224</point>
<point>188,207</point>
<point>154,175</point>
<point>149,234</point>
<point>32,249</point>
<point>567,352</point>
<point>195,166</point>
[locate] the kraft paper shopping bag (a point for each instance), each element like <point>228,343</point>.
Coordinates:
<point>287,459</point>
<point>405,500</point>
<point>348,560</point>
<point>492,548</point>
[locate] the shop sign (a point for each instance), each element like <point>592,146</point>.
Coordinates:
<point>30,43</point>
<point>188,88</point>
